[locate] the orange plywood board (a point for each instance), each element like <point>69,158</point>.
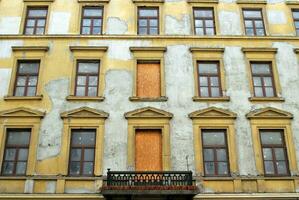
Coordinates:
<point>148,80</point>
<point>148,152</point>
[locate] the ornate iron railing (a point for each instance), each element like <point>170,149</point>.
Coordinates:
<point>149,178</point>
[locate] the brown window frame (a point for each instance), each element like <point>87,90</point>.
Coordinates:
<point>261,76</point>
<point>87,75</point>
<point>203,19</point>
<point>27,77</point>
<point>17,148</point>
<point>215,147</point>
<point>36,19</point>
<point>83,148</point>
<point>253,21</point>
<point>148,27</point>
<point>272,147</point>
<point>92,18</point>
<point>218,75</point>
<point>295,20</point>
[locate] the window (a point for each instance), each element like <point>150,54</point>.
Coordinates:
<point>209,79</point>
<point>16,152</point>
<point>92,20</point>
<point>82,152</point>
<point>254,24</point>
<point>87,78</point>
<point>296,20</point>
<point>274,152</point>
<point>26,78</point>
<point>148,21</point>
<point>148,79</point>
<point>36,18</point>
<point>215,153</point>
<point>262,78</point>
<point>204,23</point>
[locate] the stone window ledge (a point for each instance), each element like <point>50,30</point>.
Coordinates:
<point>84,98</point>
<point>199,99</point>
<point>266,99</point>
<point>159,99</point>
<point>8,98</point>
<point>38,1</point>
<point>148,1</point>
<point>93,1</point>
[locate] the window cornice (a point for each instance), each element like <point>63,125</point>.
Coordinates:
<point>30,48</point>
<point>262,49</point>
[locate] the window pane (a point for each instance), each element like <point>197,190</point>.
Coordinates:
<point>86,22</point>
<point>21,81</point>
<point>296,14</point>
<point>142,22</point>
<point>29,31</point>
<point>221,155</point>
<point>18,137</point>
<point>153,22</point>
<point>93,81</point>
<point>260,68</point>
<point>203,81</point>
<point>297,24</point>
<point>213,138</point>
<point>279,153</point>
<point>248,24</point>
<point>215,92</point>
<point>19,91</point>
<point>252,14</point>
<point>76,154</point>
<point>21,168</point>
<point>28,68</point>
<point>97,22</point>
<point>30,22</point>
<point>269,168</point>
<point>267,154</point>
<point>271,137</point>
<point>81,80</point>
<point>80,91</point>
<point>31,91</point>
<point>75,168</point>
<point>208,155</point>
<point>204,91</point>
<point>23,154</point>
<point>269,92</point>
<point>268,81</point>
<point>210,31</point>
<point>259,24</point>
<point>209,23</point>
<point>249,31</point>
<point>208,68</point>
<point>148,12</point>
<point>86,30</point>
<point>153,31</point>
<point>142,31</point>
<point>258,92</point>
<point>83,137</point>
<point>209,168</point>
<point>41,22</point>
<point>8,167</point>
<point>96,30</point>
<point>88,168</point>
<point>257,81</point>
<point>10,154</point>
<point>203,13</point>
<point>214,81</point>
<point>260,32</point>
<point>222,168</point>
<point>37,13</point>
<point>281,167</point>
<point>88,67</point>
<point>39,30</point>
<point>92,91</point>
<point>199,31</point>
<point>198,23</point>
<point>93,12</point>
<point>89,155</point>
<point>32,81</point>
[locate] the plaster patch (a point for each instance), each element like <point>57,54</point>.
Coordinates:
<point>119,49</point>
<point>116,26</point>
<point>5,47</point>
<point>59,22</point>
<point>79,191</point>
<point>229,23</point>
<point>174,26</point>
<point>29,186</point>
<point>275,1</point>
<point>276,17</point>
<point>51,187</point>
<point>10,25</point>
<point>5,75</point>
<point>227,1</point>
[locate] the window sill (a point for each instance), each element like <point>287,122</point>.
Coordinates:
<point>8,98</point>
<point>159,99</point>
<point>79,98</point>
<point>38,0</point>
<point>93,1</point>
<point>148,1</point>
<point>199,99</point>
<point>266,99</point>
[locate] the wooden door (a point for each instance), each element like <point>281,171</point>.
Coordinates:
<point>148,150</point>
<point>148,80</point>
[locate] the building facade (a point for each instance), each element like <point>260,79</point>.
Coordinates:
<point>149,99</point>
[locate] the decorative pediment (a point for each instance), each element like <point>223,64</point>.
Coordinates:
<point>269,113</point>
<point>213,112</point>
<point>84,112</point>
<point>148,112</point>
<point>22,112</point>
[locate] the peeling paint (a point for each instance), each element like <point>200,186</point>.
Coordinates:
<point>5,75</point>
<point>174,26</point>
<point>10,25</point>
<point>59,22</point>
<point>5,50</point>
<point>116,26</point>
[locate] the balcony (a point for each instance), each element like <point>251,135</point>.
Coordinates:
<point>149,183</point>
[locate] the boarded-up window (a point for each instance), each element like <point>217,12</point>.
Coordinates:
<point>148,150</point>
<point>148,79</point>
